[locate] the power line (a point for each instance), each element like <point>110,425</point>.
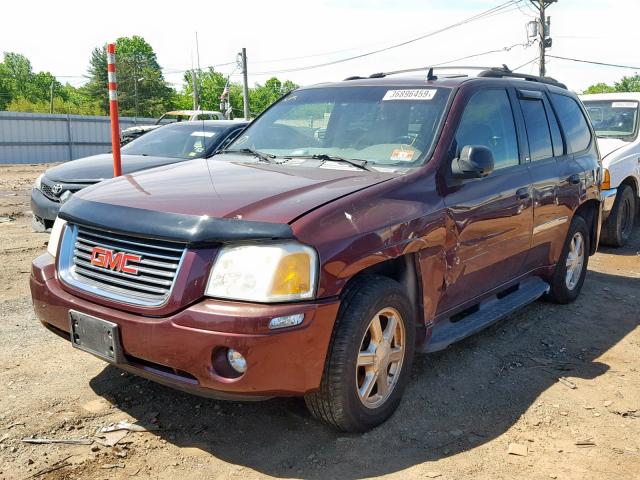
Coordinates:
<point>499,9</point>
<point>485,14</point>
<point>525,64</point>
<point>594,62</point>
<point>503,49</point>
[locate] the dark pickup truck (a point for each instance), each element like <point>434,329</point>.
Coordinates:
<point>351,225</point>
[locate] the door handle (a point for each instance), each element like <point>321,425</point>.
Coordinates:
<point>574,179</point>
<point>523,193</point>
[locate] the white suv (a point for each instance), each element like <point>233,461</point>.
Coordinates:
<point>615,120</point>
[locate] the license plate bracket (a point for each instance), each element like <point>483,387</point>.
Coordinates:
<point>96,336</point>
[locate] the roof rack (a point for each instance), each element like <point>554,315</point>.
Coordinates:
<point>419,69</point>
<point>504,71</point>
<point>484,72</point>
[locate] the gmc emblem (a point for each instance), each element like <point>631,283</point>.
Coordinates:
<point>117,261</point>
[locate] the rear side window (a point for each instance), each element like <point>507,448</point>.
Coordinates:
<point>573,123</point>
<point>556,136</point>
<point>488,120</point>
<point>538,133</point>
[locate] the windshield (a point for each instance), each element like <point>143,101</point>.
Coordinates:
<point>172,117</point>
<point>613,118</point>
<point>178,140</point>
<point>386,126</point>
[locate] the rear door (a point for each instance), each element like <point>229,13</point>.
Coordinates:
<point>490,218</point>
<point>545,150</point>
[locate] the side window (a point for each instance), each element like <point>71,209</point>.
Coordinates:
<point>556,136</point>
<point>538,133</point>
<point>575,126</point>
<point>488,120</point>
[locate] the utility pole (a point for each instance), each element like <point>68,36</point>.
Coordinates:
<point>51,98</point>
<point>194,81</point>
<point>544,25</point>
<point>245,85</point>
<point>135,89</point>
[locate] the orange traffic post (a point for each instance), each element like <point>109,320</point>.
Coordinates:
<point>113,109</point>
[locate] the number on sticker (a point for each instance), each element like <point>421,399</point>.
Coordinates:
<point>416,94</point>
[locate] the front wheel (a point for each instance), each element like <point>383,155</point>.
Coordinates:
<point>369,358</point>
<point>572,266</point>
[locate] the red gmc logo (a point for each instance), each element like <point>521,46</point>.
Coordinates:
<point>118,261</point>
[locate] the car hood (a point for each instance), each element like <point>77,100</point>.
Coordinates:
<point>607,146</point>
<point>232,189</point>
<point>100,167</point>
<point>141,128</point>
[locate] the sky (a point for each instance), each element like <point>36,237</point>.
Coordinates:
<point>58,36</point>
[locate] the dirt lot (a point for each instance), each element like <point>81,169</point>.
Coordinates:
<point>560,383</point>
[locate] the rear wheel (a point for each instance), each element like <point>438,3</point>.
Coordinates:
<point>572,266</point>
<point>619,226</point>
<point>369,359</point>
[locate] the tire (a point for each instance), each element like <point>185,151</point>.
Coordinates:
<point>338,401</point>
<point>619,226</point>
<point>565,288</point>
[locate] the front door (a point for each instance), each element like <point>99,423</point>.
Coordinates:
<point>489,219</point>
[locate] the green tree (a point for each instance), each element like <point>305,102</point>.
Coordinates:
<point>142,89</point>
<point>19,82</point>
<point>599,88</point>
<point>211,85</point>
<point>261,96</point>
<point>626,84</point>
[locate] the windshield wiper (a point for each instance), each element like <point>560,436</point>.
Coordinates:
<point>619,137</point>
<point>361,164</point>
<point>263,157</point>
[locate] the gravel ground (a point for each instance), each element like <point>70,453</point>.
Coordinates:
<point>558,385</point>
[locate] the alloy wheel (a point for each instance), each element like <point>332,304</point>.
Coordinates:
<point>380,358</point>
<point>575,261</point>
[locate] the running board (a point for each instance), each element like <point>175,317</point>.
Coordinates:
<point>488,312</point>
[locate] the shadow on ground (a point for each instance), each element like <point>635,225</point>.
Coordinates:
<point>458,399</point>
<point>632,248</point>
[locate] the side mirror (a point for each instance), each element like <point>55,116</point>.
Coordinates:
<point>475,161</point>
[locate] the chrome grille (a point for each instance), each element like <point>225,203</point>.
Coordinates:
<point>48,192</point>
<point>157,267</point>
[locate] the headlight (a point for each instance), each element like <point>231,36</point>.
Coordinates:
<point>56,233</point>
<point>38,183</point>
<point>264,273</point>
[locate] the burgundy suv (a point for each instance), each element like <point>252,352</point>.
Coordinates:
<point>351,225</point>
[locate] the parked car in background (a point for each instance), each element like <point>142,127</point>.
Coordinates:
<point>132,133</point>
<point>169,144</point>
<point>615,119</point>
<point>302,264</point>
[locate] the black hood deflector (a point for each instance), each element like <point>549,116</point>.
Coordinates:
<point>189,229</point>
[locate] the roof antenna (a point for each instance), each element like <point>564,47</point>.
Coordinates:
<point>505,68</point>
<point>430,75</point>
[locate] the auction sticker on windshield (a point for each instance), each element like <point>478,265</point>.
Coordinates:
<point>417,94</point>
<point>624,105</point>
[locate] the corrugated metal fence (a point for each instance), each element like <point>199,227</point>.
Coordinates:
<point>43,138</point>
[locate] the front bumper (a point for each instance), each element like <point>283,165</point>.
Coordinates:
<point>608,198</point>
<point>44,209</point>
<point>176,350</point>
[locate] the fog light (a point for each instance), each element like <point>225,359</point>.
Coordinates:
<point>288,321</point>
<point>236,360</point>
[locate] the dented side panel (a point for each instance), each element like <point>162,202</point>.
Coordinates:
<point>399,217</point>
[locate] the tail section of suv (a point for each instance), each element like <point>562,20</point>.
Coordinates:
<point>349,226</point>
